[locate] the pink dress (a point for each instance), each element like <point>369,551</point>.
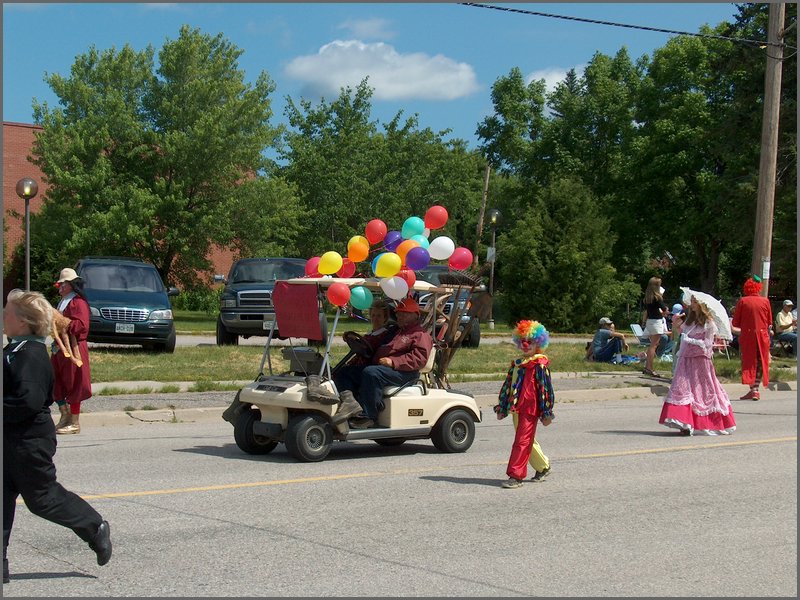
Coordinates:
<point>696,402</point>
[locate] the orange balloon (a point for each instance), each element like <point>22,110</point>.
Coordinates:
<point>404,247</point>
<point>357,251</point>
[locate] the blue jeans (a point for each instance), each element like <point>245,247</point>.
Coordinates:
<point>612,347</point>
<point>665,345</point>
<point>790,338</point>
<point>367,384</point>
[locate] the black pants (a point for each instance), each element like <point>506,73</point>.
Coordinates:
<point>28,470</point>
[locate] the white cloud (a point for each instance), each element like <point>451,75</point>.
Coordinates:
<point>368,29</point>
<point>553,75</point>
<point>392,75</point>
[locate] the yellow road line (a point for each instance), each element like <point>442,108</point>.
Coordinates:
<point>233,486</point>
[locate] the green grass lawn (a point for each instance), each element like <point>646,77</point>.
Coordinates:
<point>231,363</point>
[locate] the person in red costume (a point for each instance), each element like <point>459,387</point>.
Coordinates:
<point>73,384</point>
<point>527,392</point>
<point>753,315</point>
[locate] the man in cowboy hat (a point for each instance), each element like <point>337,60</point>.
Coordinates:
<point>394,362</point>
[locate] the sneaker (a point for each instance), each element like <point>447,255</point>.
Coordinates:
<point>751,395</point>
<point>539,475</point>
<point>511,483</point>
<point>101,543</point>
<point>68,429</point>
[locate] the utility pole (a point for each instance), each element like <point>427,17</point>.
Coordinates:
<point>479,232</point>
<point>762,241</point>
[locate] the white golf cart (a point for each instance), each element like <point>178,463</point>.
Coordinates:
<point>276,408</point>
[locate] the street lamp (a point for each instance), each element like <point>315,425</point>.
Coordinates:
<point>495,216</point>
<point>27,188</point>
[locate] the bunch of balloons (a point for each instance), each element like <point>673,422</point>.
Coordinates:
<point>403,252</point>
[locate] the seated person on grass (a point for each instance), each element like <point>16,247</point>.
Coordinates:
<point>607,343</point>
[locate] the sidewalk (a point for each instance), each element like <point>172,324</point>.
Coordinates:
<point>604,387</point>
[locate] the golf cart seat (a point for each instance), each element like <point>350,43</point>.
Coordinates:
<point>414,387</point>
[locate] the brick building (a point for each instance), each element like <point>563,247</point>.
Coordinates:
<point>17,143</point>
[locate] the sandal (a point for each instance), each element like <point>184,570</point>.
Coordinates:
<point>650,372</point>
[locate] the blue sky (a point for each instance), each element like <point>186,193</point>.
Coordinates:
<point>438,60</point>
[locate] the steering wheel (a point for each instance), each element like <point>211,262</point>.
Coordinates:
<point>358,344</point>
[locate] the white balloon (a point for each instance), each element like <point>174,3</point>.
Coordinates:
<point>427,233</point>
<point>394,287</point>
<point>441,248</point>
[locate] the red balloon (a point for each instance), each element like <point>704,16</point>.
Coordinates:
<point>375,231</point>
<point>338,294</point>
<point>408,276</point>
<point>348,268</point>
<point>460,259</point>
<point>436,217</point>
<point>312,265</point>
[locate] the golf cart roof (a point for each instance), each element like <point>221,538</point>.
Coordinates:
<point>369,283</point>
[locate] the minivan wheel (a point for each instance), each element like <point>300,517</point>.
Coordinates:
<point>454,432</point>
<point>224,337</point>
<point>245,438</point>
<point>308,437</point>
<point>169,345</point>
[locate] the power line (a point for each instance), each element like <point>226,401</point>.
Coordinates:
<point>760,43</point>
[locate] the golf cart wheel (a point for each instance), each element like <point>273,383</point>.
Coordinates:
<point>389,442</point>
<point>309,437</point>
<point>454,432</point>
<point>246,439</point>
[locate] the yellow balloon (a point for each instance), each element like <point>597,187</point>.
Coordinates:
<point>388,265</point>
<point>329,263</point>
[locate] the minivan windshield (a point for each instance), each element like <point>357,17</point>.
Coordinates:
<point>130,278</point>
<point>265,272</point>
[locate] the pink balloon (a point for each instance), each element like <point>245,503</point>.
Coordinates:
<point>312,265</point>
<point>460,259</point>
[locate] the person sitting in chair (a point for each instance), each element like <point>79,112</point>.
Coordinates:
<point>394,362</point>
<point>607,343</point>
<point>786,326</point>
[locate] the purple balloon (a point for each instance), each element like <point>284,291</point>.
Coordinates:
<point>392,240</point>
<point>417,258</point>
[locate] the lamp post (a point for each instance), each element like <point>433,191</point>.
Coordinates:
<point>495,216</point>
<point>27,188</point>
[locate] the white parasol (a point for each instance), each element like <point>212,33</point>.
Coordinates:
<point>715,307</point>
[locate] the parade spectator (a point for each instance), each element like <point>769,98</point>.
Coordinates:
<point>29,436</point>
<point>608,343</point>
<point>655,324</point>
<point>786,326</point>
<point>527,393</point>
<point>696,401</point>
<point>753,316</point>
<point>73,384</point>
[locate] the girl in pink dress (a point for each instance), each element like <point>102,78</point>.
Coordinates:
<point>696,402</point>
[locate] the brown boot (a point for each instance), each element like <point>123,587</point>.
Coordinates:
<point>316,392</point>
<point>73,427</point>
<point>65,415</point>
<point>347,408</point>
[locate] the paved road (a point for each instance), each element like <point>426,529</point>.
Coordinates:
<point>630,509</point>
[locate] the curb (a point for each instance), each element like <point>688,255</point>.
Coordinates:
<point>656,391</point>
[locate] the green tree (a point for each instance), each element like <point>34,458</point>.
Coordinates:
<point>150,162</point>
<point>555,264</point>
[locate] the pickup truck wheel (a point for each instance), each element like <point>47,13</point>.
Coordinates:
<point>309,438</point>
<point>389,442</point>
<point>474,333</point>
<point>225,338</point>
<point>245,438</point>
<point>454,432</point>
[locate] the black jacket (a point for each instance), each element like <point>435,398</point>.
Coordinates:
<point>27,385</point>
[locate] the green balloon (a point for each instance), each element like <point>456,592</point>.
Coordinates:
<point>360,297</point>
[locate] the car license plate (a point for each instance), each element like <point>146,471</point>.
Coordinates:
<point>123,328</point>
<point>267,325</point>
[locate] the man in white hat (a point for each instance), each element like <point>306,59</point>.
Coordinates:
<point>608,343</point>
<point>786,326</point>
